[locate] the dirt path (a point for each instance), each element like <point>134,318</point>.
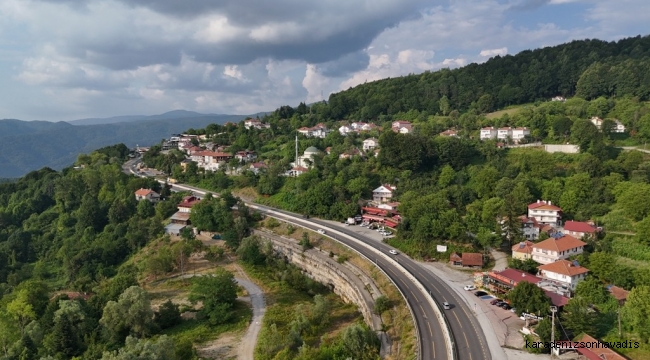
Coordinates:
<point>500,260</point>
<point>247,343</point>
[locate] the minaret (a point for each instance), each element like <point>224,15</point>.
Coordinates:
<point>297,163</point>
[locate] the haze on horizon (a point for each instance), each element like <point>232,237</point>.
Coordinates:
<point>72,59</point>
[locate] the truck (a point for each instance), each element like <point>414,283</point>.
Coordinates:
<point>351,221</point>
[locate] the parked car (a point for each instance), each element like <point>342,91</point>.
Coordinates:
<point>446,305</point>
<point>499,303</point>
<point>506,306</point>
<point>469,287</point>
<point>392,252</point>
<point>480,293</point>
<point>513,310</point>
<point>495,301</point>
<point>321,231</point>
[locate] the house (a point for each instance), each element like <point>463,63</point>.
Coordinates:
<point>504,133</point>
<point>592,349</point>
<point>402,126</point>
<point>449,133</point>
<point>558,98</point>
<point>579,229</point>
<point>467,260</point>
<point>370,144</point>
<point>556,248</point>
<point>357,126</point>
<point>174,229</point>
<point>344,130</point>
<point>530,229</point>
<point>182,218</point>
<point>255,124</point>
<point>564,273</point>
<point>597,121</point>
<point>369,127</point>
<point>245,156</point>
<point>501,282</point>
<point>383,193</point>
<point>258,167</point>
<point>544,212</point>
<point>488,133</point>
<point>185,206</point>
<point>523,250</point>
<point>307,157</point>
<point>390,206</point>
<point>350,153</point>
<point>518,134</point>
<point>147,194</point>
<point>618,128</point>
<point>320,131</point>
<point>618,293</point>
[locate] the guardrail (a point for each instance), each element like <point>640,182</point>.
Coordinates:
<point>442,320</point>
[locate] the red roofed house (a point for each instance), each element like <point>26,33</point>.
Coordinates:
<point>147,194</point>
<point>449,133</point>
<point>557,248</point>
<point>503,281</point>
<point>402,127</point>
<point>618,293</point>
<point>563,272</point>
<point>523,250</point>
<point>594,350</point>
<point>579,229</point>
<point>545,212</point>
<point>467,260</point>
<point>185,206</point>
<point>257,167</point>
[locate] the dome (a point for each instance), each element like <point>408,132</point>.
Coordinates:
<point>311,150</point>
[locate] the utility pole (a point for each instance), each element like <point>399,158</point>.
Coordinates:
<point>553,311</point>
<point>618,313</point>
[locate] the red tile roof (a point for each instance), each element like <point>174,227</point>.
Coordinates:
<point>579,226</point>
<point>618,293</point>
<point>454,257</point>
<point>597,352</point>
<point>514,276</point>
<point>566,242</point>
<point>300,168</point>
<point>543,205</point>
<point>189,201</point>
<point>525,247</point>
<point>143,192</point>
<point>564,267</point>
<point>472,259</point>
<point>556,299</point>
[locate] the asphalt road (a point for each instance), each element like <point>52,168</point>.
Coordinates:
<point>466,332</point>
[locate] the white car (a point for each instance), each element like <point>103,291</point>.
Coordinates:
<point>321,231</point>
<point>392,252</point>
<point>446,305</point>
<point>469,287</point>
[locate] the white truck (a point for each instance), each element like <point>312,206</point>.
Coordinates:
<point>351,221</point>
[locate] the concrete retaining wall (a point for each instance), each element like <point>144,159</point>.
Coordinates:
<point>567,149</point>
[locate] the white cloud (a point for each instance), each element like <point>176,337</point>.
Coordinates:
<point>233,72</point>
<point>314,83</point>
<point>494,52</point>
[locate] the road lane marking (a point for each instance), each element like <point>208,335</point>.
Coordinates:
<point>433,344</point>
<point>469,351</point>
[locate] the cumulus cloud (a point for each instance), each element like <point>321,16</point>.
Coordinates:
<point>314,83</point>
<point>494,52</point>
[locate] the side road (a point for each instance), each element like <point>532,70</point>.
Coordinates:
<point>247,343</point>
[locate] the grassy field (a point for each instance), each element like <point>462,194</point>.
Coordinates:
<point>509,110</point>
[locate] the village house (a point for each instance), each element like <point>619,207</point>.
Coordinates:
<point>449,133</point>
<point>474,260</point>
<point>383,193</point>
<point>563,273</point>
<point>504,133</point>
<point>598,122</point>
<point>579,229</point>
<point>258,167</point>
<point>147,194</point>
<point>350,153</point>
<point>344,130</point>
<point>501,282</point>
<point>245,156</point>
<point>389,206</point>
<point>618,293</point>
<point>544,212</point>
<point>488,133</point>
<point>518,134</point>
<point>556,248</point>
<point>328,150</point>
<point>523,250</point>
<point>618,128</point>
<point>255,124</point>
<point>296,171</point>
<point>185,206</point>
<point>370,144</point>
<point>402,126</point>
<point>558,98</point>
<point>596,350</point>
<point>319,131</point>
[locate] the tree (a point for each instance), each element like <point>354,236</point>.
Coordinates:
<point>21,310</point>
<point>444,105</point>
<point>167,315</point>
<point>141,349</point>
<point>528,297</point>
<point>249,251</point>
<point>217,293</point>
<point>578,316</point>
<point>592,291</point>
<point>636,311</point>
<point>130,315</point>
<point>360,342</point>
<point>382,304</point>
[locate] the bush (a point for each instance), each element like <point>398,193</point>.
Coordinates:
<point>168,315</point>
<point>342,258</point>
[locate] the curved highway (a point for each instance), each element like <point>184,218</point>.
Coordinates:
<point>470,342</point>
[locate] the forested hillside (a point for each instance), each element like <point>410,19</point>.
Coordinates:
<point>586,68</point>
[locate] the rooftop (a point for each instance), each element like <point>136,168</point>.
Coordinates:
<point>472,259</point>
<point>564,267</point>
<point>543,205</point>
<point>564,243</point>
<point>525,247</point>
<point>579,226</point>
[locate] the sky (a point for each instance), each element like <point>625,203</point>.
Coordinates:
<point>73,59</point>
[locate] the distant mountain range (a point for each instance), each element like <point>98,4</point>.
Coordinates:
<point>30,145</point>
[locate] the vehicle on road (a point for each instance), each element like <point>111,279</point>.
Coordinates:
<point>480,293</point>
<point>350,221</point>
<point>446,305</point>
<point>495,301</point>
<point>469,287</point>
<point>321,231</point>
<point>392,252</point>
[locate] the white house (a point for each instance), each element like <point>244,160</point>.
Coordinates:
<point>504,133</point>
<point>488,133</point>
<point>519,133</point>
<point>402,126</point>
<point>579,229</point>
<point>564,273</point>
<point>254,123</point>
<point>258,167</point>
<point>344,130</point>
<point>370,144</point>
<point>545,212</point>
<point>556,248</point>
<point>296,171</point>
<point>357,126</point>
<point>185,206</point>
<point>147,194</point>
<point>618,127</point>
<point>597,121</point>
<point>558,98</point>
<point>449,133</point>
<point>320,131</point>
<point>383,193</point>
